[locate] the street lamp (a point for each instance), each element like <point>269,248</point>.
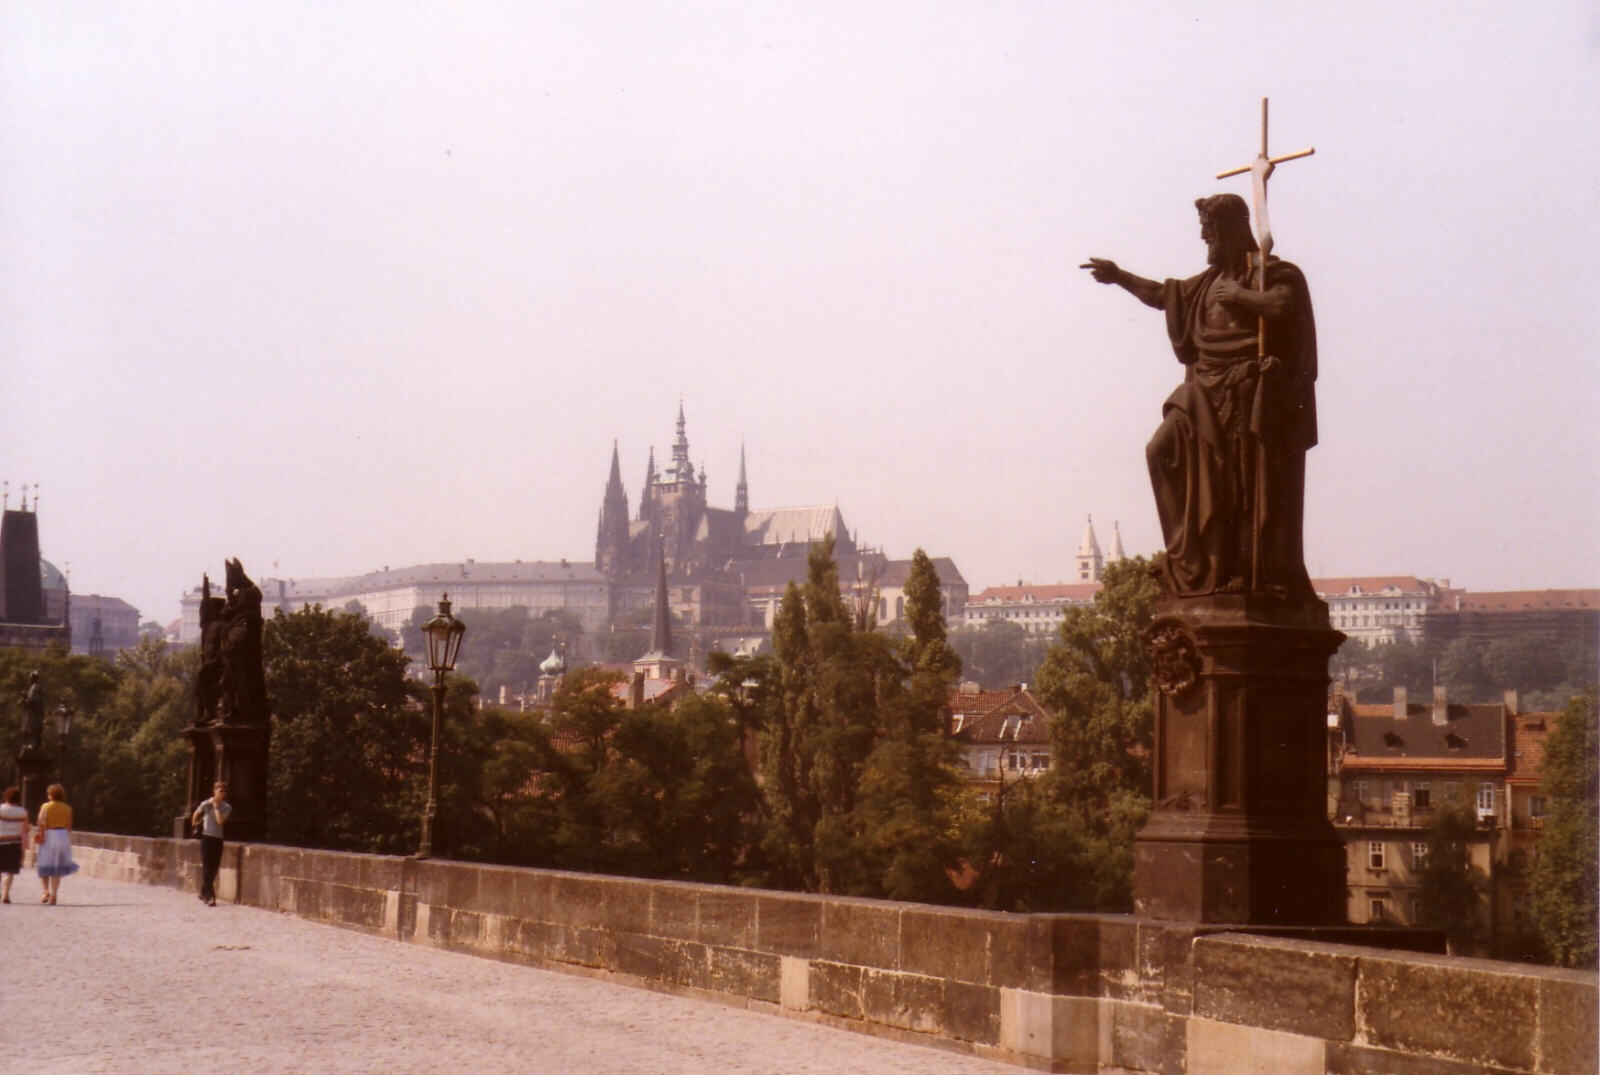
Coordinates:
<point>443,633</point>
<point>64,715</point>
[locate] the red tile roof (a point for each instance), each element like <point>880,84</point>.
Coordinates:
<point>1522,600</point>
<point>1372,584</point>
<point>1008,716</point>
<point>1063,591</point>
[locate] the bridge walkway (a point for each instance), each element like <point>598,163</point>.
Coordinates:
<point>137,979</point>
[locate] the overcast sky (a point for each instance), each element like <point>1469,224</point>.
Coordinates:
<point>338,286</point>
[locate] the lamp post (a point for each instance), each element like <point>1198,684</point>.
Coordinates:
<point>443,634</point>
<point>64,715</point>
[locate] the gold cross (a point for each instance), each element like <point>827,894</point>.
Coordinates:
<point>1260,169</point>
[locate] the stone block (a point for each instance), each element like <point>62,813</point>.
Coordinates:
<point>432,881</point>
<point>461,883</point>
<point>1020,952</point>
<point>1142,1037</point>
<point>1567,1016</point>
<point>1276,984</point>
<point>1457,1009</point>
<point>1164,967</point>
<point>904,1001</point>
<point>674,910</point>
<point>1343,1058</point>
<point>727,918</point>
<point>794,983</point>
<point>743,973</point>
<point>1229,1049</point>
<point>835,988</point>
<point>626,905</point>
<point>497,890</point>
<point>530,895</point>
<point>642,957</point>
<point>1092,955</point>
<point>788,925</point>
<point>577,900</point>
<point>1060,1029</point>
<point>972,1013</point>
<point>861,932</point>
<point>379,871</point>
<point>946,944</point>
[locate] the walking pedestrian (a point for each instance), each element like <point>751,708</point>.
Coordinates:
<point>54,859</point>
<point>209,817</point>
<point>13,834</point>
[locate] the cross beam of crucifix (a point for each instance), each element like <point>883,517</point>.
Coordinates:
<point>1260,169</point>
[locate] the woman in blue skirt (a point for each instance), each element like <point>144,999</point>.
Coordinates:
<point>54,860</point>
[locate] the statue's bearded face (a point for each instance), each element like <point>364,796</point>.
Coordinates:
<point>1227,239</point>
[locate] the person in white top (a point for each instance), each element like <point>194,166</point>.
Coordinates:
<point>209,817</point>
<point>13,835</point>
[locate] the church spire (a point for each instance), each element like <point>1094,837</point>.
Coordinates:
<point>611,535</point>
<point>1089,559</point>
<point>741,495</point>
<point>682,469</point>
<point>661,624</point>
<point>1116,553</point>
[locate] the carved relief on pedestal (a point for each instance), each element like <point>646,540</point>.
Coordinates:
<point>1174,658</point>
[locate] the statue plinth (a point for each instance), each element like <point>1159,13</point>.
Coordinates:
<point>34,766</point>
<point>1239,830</point>
<point>237,755</point>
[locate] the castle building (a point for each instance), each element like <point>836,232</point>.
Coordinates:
<point>35,604</point>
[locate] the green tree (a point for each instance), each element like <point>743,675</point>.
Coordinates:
<point>1449,881</point>
<point>1096,684</point>
<point>350,736</point>
<point>1564,876</point>
<point>905,844</point>
<point>999,653</point>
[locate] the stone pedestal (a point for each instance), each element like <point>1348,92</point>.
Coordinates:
<point>1239,831</point>
<point>237,755</point>
<point>35,767</point>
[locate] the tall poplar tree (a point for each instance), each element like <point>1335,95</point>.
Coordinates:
<point>1566,876</point>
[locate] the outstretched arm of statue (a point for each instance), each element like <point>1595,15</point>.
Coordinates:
<point>1106,271</point>
<point>1272,303</point>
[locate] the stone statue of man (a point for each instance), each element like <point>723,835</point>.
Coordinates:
<point>1228,461</point>
<point>32,703</point>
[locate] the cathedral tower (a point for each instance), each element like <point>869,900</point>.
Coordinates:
<point>611,535</point>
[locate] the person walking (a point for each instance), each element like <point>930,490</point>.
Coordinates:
<point>54,859</point>
<point>209,817</point>
<point>13,834</point>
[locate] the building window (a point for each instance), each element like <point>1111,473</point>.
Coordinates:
<point>1536,806</point>
<point>1485,799</point>
<point>1041,761</point>
<point>1375,910</point>
<point>1375,855</point>
<point>1358,790</point>
<point>1419,857</point>
<point>1421,795</point>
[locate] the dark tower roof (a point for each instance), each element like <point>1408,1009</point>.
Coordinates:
<point>21,588</point>
<point>682,470</point>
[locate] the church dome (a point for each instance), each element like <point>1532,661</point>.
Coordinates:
<point>554,664</point>
<point>50,576</point>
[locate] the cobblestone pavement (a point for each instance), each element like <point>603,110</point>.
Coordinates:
<point>137,979</point>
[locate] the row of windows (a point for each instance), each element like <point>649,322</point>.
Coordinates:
<point>1378,855</point>
<point>1422,793</point>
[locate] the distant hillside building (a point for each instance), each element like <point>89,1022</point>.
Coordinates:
<point>1039,608</point>
<point>103,625</point>
<point>1556,616</point>
<point>1393,766</point>
<point>1379,610</point>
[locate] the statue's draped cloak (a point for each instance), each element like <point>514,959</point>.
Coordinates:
<point>1228,462</point>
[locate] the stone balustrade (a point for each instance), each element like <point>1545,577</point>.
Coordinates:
<point>1051,992</point>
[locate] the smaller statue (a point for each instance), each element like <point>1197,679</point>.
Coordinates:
<point>32,703</point>
<point>208,683</point>
<point>244,689</point>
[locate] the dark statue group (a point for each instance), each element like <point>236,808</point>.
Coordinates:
<point>230,688</point>
<point>1228,460</point>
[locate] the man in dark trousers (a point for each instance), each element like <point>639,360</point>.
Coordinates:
<point>209,817</point>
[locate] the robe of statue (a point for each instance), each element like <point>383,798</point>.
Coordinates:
<point>1228,461</point>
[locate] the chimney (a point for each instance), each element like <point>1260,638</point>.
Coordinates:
<point>1399,703</point>
<point>636,693</point>
<point>1441,706</point>
<point>1511,702</point>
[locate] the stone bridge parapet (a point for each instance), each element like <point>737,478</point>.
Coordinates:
<point>1051,992</point>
